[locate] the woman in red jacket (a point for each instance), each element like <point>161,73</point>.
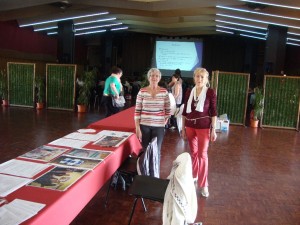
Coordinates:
<point>198,125</point>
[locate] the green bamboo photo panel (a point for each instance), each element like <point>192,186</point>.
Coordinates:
<point>232,93</point>
<point>60,91</point>
<point>21,84</point>
<point>281,106</point>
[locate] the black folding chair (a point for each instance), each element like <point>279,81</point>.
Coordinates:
<point>126,170</point>
<point>146,187</point>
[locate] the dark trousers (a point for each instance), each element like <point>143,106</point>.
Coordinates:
<point>148,133</point>
<point>109,108</point>
<point>173,119</point>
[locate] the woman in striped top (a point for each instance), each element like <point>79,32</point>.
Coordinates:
<point>152,111</point>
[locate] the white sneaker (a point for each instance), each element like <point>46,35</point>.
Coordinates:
<point>204,192</point>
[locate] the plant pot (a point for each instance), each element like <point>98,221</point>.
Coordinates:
<point>81,108</point>
<point>254,123</point>
<point>4,102</point>
<point>39,105</point>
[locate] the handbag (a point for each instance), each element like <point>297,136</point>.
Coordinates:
<point>118,102</point>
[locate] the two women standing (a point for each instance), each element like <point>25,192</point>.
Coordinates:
<point>199,119</point>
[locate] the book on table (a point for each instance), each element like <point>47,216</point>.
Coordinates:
<point>44,153</point>
<point>59,178</point>
<point>112,138</point>
<point>89,154</point>
<point>76,162</point>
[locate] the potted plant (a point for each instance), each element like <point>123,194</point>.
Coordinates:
<point>4,88</point>
<point>86,86</point>
<point>40,92</point>
<point>258,106</point>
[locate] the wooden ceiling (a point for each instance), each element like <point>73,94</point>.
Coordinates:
<point>162,17</point>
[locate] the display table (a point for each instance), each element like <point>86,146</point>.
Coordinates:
<point>122,121</point>
<point>63,206</point>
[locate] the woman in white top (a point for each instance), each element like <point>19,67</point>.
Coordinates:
<point>177,93</point>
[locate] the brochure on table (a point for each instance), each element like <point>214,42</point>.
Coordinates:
<point>67,142</point>
<point>22,168</point>
<point>10,184</point>
<point>83,136</point>
<point>18,211</point>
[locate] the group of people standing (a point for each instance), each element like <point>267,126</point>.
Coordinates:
<point>152,112</point>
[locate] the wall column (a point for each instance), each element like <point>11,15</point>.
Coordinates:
<point>275,49</point>
<point>66,42</point>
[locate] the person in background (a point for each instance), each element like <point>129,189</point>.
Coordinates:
<point>198,126</point>
<point>128,87</point>
<point>152,111</point>
<point>177,93</point>
<point>176,72</point>
<point>112,88</point>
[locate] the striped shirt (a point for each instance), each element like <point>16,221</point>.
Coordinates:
<point>152,111</point>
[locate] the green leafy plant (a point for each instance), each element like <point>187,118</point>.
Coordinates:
<point>3,85</point>
<point>258,103</point>
<point>85,90</point>
<point>40,89</point>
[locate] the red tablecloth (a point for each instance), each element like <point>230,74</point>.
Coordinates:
<point>122,121</point>
<point>63,206</point>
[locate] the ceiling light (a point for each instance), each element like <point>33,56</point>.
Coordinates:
<point>290,43</point>
<point>95,21</point>
<point>253,32</point>
<point>90,32</point>
<point>106,25</point>
<point>293,33</point>
<point>63,19</point>
<point>51,33</point>
<point>46,28</point>
<point>240,24</point>
<point>245,35</point>
<point>259,13</point>
<point>272,4</point>
<point>293,39</point>
<point>259,21</point>
<point>121,28</point>
<point>224,31</point>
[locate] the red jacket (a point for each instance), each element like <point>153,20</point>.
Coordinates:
<point>201,120</point>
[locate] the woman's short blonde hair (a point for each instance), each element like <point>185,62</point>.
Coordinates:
<point>152,70</point>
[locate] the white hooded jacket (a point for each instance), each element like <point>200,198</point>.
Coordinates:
<point>180,201</point>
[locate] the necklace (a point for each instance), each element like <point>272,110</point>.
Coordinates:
<point>196,101</point>
<point>196,98</point>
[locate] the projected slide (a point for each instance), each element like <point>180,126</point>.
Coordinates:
<point>171,55</point>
